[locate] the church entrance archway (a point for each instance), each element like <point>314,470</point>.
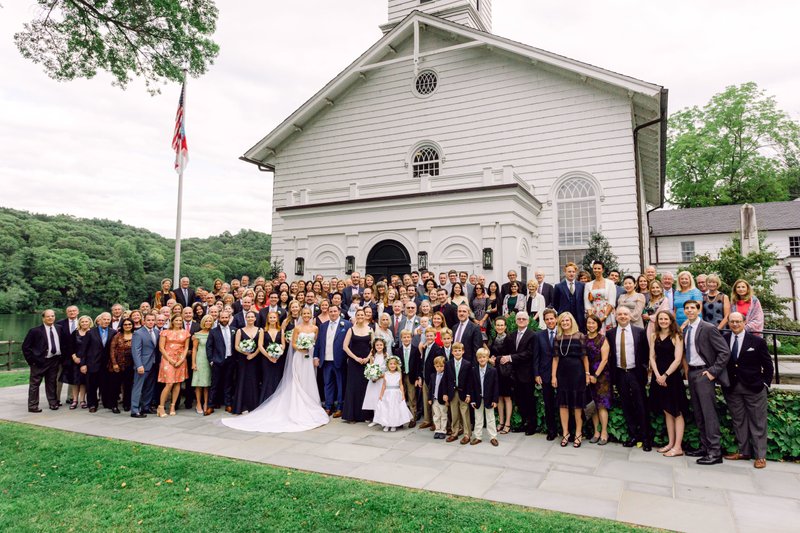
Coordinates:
<point>388,257</point>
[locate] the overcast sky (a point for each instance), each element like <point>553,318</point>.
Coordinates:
<point>92,150</point>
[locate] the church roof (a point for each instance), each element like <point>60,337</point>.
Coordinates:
<point>770,216</point>
<point>649,101</point>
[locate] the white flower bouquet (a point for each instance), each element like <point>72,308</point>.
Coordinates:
<point>305,341</point>
<point>275,350</point>
<point>247,346</point>
<point>373,372</point>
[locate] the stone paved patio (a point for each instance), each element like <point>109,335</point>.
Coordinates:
<point>610,482</point>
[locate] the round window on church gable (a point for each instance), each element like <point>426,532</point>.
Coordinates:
<point>426,83</point>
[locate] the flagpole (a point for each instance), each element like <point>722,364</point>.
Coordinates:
<point>177,270</point>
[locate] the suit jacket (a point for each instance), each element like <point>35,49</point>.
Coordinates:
<point>471,339</point>
<point>464,387</point>
<point>564,302</point>
<point>711,347</point>
<point>450,312</point>
<point>238,320</point>
<point>641,348</point>
<point>36,347</point>
<point>431,384</point>
<point>544,355</point>
<point>92,353</point>
<point>215,345</point>
<point>427,362</point>
<point>547,292</point>
<point>339,355</point>
<point>261,321</point>
<point>315,310</point>
<point>491,386</point>
<point>753,368</point>
<point>143,348</point>
<point>414,361</point>
<point>347,295</point>
<point>505,289</point>
<point>524,358</point>
<point>67,339</point>
<point>183,301</point>
<point>194,328</point>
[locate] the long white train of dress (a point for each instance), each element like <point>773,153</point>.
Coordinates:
<point>294,406</point>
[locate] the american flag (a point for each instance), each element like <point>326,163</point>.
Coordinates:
<point>179,137</point>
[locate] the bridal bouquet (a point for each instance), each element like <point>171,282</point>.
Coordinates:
<point>305,342</point>
<point>275,350</point>
<point>373,372</point>
<point>247,345</point>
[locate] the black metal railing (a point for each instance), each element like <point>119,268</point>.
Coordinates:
<point>775,333</point>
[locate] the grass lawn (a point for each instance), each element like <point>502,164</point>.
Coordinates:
<point>9,378</point>
<point>52,480</point>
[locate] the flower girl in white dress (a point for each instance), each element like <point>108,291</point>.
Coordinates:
<point>378,357</point>
<point>392,411</point>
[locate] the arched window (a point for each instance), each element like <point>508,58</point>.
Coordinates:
<point>425,161</point>
<point>576,204</point>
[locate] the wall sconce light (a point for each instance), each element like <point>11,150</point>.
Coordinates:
<point>422,261</point>
<point>299,266</point>
<point>349,264</point>
<point>488,258</point>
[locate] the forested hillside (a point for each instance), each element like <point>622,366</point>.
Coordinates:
<point>52,261</point>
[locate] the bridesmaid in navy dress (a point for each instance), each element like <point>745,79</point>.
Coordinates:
<point>248,369</point>
<point>357,345</point>
<point>271,369</point>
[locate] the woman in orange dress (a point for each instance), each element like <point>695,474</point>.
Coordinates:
<point>174,345</point>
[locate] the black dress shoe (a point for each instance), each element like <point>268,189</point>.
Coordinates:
<point>93,409</point>
<point>138,415</point>
<point>695,453</point>
<point>630,443</point>
<point>530,432</point>
<point>115,410</point>
<point>54,407</point>
<point>647,447</point>
<point>34,410</point>
<point>517,430</point>
<point>551,436</point>
<point>709,460</point>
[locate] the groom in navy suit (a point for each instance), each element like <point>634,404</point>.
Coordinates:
<point>568,296</point>
<point>330,358</point>
<point>143,348</point>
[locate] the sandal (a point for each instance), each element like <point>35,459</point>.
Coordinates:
<point>84,405</point>
<point>565,440</point>
<point>673,453</point>
<point>73,405</point>
<point>578,439</point>
<point>664,449</point>
<point>161,413</point>
<point>505,430</point>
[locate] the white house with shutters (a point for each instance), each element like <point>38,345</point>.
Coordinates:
<point>446,146</point>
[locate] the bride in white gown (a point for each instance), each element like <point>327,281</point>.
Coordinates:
<point>295,405</point>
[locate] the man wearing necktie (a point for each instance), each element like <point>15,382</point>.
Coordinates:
<point>68,326</point>
<point>543,346</point>
<point>568,296</point>
<point>707,354</point>
<point>750,372</point>
<point>219,349</point>
<point>42,351</point>
<point>93,355</point>
<point>184,295</point>
<point>143,349</point>
<point>523,359</point>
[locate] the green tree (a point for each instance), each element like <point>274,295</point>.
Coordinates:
<point>738,148</point>
<point>731,265</point>
<point>600,250</point>
<point>151,39</point>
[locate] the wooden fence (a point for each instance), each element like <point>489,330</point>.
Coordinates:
<point>11,354</point>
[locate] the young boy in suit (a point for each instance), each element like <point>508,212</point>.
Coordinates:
<point>437,387</point>
<point>430,351</point>
<point>458,393</point>
<point>485,394</point>
<point>412,378</point>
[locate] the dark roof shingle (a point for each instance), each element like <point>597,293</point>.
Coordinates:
<point>723,219</point>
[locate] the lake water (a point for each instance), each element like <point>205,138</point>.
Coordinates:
<point>15,327</point>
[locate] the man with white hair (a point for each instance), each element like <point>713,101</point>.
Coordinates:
<point>523,359</point>
<point>667,280</point>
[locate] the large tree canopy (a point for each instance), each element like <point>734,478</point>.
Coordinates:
<point>151,39</point>
<point>738,148</point>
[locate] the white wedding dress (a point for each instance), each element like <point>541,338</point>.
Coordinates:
<point>294,406</point>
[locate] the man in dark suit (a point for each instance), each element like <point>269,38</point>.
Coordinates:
<point>219,349</point>
<point>183,294</point>
<point>430,351</point>
<point>485,395</point>
<point>410,361</point>
<point>143,349</point>
<point>311,303</point>
<point>330,358</point>
<point>707,354</point>
<point>628,357</point>
<point>506,287</point>
<point>448,309</point>
<point>523,359</point>
<point>750,373</point>
<point>191,327</point>
<point>93,355</point>
<point>239,319</point>
<point>543,346</point>
<point>458,375</point>
<point>545,289</point>
<point>467,333</point>
<point>67,325</point>
<point>354,287</point>
<point>568,296</point>
<point>42,349</point>
<point>272,307</point>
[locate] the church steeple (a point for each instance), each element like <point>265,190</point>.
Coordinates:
<point>473,13</point>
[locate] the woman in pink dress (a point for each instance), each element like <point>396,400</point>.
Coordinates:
<point>174,345</point>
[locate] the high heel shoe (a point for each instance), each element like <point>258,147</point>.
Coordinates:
<point>172,412</point>
<point>565,440</point>
<point>160,411</point>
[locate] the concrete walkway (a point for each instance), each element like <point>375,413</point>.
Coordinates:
<point>610,482</point>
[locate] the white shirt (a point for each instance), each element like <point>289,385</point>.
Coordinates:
<point>52,351</point>
<point>740,336</point>
<point>689,339</point>
<point>331,334</point>
<point>630,354</point>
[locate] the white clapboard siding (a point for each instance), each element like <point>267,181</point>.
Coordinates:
<point>488,111</point>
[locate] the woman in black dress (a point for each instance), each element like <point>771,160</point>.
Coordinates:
<point>248,369</point>
<point>570,375</point>
<point>357,345</point>
<point>667,391</point>
<point>493,301</point>
<point>271,368</point>
<point>504,406</point>
<point>72,372</point>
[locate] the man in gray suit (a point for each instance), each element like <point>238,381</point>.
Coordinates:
<point>143,348</point>
<point>707,354</point>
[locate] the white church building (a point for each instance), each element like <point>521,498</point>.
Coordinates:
<point>446,146</point>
